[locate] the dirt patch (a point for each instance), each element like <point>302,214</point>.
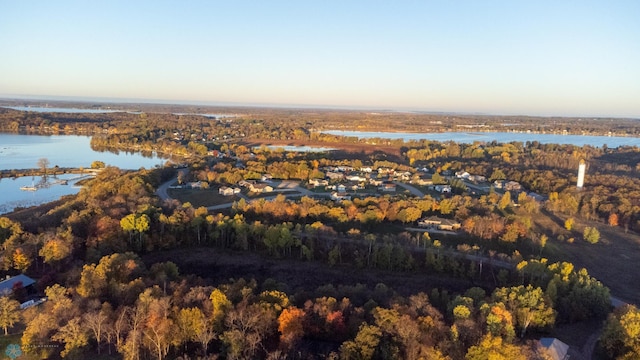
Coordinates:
<point>219,266</point>
<point>343,150</point>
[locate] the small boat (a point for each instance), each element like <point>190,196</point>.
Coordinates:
<point>33,187</point>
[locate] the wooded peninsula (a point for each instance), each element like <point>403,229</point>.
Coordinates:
<point>377,249</point>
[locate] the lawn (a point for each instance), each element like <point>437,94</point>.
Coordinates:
<point>614,260</point>
<point>201,197</point>
<point>253,195</point>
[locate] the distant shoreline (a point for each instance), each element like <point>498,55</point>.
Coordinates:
<point>16,173</point>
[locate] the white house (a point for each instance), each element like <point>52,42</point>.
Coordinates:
<point>462,174</point>
<point>318,182</point>
<point>357,178</point>
<point>337,196</point>
<point>443,189</point>
<point>260,188</point>
<point>341,188</point>
<point>477,178</point>
<point>226,191</point>
<point>387,187</point>
<point>439,223</point>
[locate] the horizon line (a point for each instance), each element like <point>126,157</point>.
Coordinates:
<point>147,101</point>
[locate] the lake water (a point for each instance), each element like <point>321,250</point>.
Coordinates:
<point>503,137</point>
<point>217,116</point>
<point>24,151</point>
<point>11,196</point>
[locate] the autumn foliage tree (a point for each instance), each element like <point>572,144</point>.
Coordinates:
<point>9,313</point>
<point>621,335</point>
<point>291,326</point>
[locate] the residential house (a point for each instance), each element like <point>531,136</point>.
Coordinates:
<point>318,182</point>
<point>387,187</point>
<point>477,178</point>
<point>357,178</point>
<point>556,349</point>
<point>366,169</point>
<point>423,180</point>
<point>443,189</point>
<point>226,191</point>
<point>462,174</point>
<point>512,186</point>
<point>18,281</point>
<point>435,222</point>
<point>260,188</point>
<point>341,188</point>
<point>334,175</point>
<point>339,196</point>
<point>195,185</point>
<point>404,176</point>
<point>266,177</point>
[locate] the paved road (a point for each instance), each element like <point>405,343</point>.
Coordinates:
<point>220,207</point>
<point>413,190</point>
<point>162,190</point>
<point>436,231</point>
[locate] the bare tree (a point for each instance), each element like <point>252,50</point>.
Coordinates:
<point>43,164</point>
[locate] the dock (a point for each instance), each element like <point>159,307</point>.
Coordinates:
<point>47,184</point>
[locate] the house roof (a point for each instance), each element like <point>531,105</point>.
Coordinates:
<point>261,186</point>
<point>7,285</point>
<point>556,348</point>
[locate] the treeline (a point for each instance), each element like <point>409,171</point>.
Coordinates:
<point>119,305</point>
<point>288,124</point>
<point>102,298</point>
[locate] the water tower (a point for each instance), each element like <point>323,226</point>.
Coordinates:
<point>581,169</point>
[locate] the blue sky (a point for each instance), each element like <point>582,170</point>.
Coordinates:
<point>500,57</point>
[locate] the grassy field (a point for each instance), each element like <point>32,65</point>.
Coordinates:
<point>201,197</point>
<point>614,260</point>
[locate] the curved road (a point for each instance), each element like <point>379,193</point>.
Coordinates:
<point>162,189</point>
<point>412,189</point>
